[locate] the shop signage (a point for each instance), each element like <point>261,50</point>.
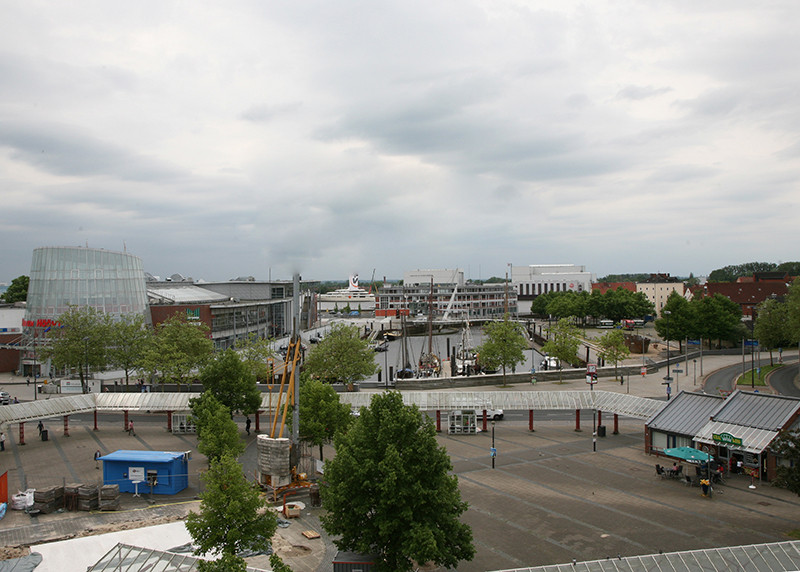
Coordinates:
<point>726,438</point>
<point>41,323</point>
<point>192,313</point>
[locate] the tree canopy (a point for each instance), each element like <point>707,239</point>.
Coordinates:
<point>231,381</point>
<point>232,516</point>
<point>390,492</point>
<point>342,356</point>
<point>613,348</point>
<point>258,355</point>
<point>81,342</point>
<point>322,415</point>
<point>503,345</point>
<point>178,348</point>
<point>563,342</point>
<point>17,291</point>
<point>787,445</point>
<point>731,272</point>
<point>129,339</point>
<point>771,328</point>
<point>216,432</point>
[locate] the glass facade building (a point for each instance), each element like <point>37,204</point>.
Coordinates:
<point>112,282</point>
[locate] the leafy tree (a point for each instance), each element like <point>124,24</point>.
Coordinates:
<point>540,303</point>
<point>216,432</point>
<point>232,515</point>
<point>793,303</point>
<point>563,343</point>
<point>678,320</point>
<point>129,339</point>
<point>17,291</point>
<point>232,382</point>
<point>625,277</point>
<point>258,355</point>
<point>389,490</point>
<point>277,564</point>
<point>787,446</point>
<point>566,304</point>
<point>732,272</point>
<point>321,413</point>
<point>613,347</point>
<point>771,328</point>
<point>621,303</point>
<point>178,348</point>
<point>341,357</point>
<point>719,318</point>
<point>80,342</point>
<point>226,563</point>
<point>504,345</point>
<point>791,268</point>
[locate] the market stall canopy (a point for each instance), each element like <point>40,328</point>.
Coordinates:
<point>688,454</point>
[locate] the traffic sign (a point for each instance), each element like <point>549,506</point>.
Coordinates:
<point>643,370</point>
<point>693,342</point>
<point>492,452</point>
<point>677,370</point>
<point>751,342</point>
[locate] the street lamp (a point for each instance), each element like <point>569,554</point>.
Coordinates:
<point>668,379</point>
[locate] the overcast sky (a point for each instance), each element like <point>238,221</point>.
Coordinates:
<point>331,137</point>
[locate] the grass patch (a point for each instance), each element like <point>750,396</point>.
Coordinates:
<point>794,533</point>
<point>760,378</point>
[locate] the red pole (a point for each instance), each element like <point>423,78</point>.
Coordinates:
<point>95,419</point>
<point>530,420</point>
<point>21,433</point>
<point>616,424</point>
<point>438,421</point>
<point>66,425</point>
<point>577,420</point>
<point>484,421</point>
<point>599,417</point>
<point>258,426</point>
<point>169,421</point>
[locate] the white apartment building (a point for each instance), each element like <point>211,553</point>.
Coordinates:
<point>535,279</point>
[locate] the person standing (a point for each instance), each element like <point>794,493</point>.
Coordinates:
<point>130,429</point>
<point>2,441</point>
<point>247,426</point>
<point>41,427</point>
<point>97,456</point>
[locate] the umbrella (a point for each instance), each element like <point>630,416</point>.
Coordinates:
<point>688,454</point>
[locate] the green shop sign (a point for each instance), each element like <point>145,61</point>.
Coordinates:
<point>726,438</point>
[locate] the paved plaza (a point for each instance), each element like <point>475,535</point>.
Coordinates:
<point>549,499</point>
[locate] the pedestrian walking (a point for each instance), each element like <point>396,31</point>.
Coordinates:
<point>97,456</point>
<point>41,427</point>
<point>130,429</point>
<point>247,426</point>
<point>2,441</point>
<point>28,381</point>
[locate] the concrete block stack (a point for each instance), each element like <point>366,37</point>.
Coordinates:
<point>48,499</point>
<point>109,497</point>
<point>88,497</point>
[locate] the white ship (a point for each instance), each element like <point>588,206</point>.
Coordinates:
<point>353,296</point>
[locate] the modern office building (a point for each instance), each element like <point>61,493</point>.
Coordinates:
<point>536,279</point>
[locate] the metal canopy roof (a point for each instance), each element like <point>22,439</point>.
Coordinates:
<point>775,557</point>
<point>638,407</point>
<point>628,405</point>
<point>754,440</point>
<point>46,408</point>
<point>127,558</point>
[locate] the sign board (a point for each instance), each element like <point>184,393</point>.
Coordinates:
<point>591,379</point>
<point>693,342</point>
<point>136,473</point>
<point>492,452</point>
<point>751,342</point>
<point>677,370</point>
<point>591,368</point>
<point>643,370</point>
<point>726,438</point>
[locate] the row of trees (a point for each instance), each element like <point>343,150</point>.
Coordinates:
<point>613,305</point>
<point>709,317</point>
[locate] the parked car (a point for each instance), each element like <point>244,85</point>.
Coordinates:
<point>494,414</point>
<point>5,398</point>
<point>550,362</point>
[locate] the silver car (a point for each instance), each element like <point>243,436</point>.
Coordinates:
<point>5,398</point>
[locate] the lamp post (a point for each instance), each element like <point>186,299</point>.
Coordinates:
<point>494,451</point>
<point>668,378</point>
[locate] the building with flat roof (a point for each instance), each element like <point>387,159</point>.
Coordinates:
<point>536,279</point>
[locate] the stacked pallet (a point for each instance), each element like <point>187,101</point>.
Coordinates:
<point>87,497</point>
<point>49,499</point>
<point>71,496</point>
<point>109,497</point>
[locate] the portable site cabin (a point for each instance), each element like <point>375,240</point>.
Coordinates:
<point>156,472</point>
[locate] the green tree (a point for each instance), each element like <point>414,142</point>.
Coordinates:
<point>793,303</point>
<point>678,320</point>
<point>791,268</point>
<point>231,381</point>
<point>80,342</point>
<point>341,357</point>
<point>233,516</point>
<point>771,328</point>
<point>179,347</point>
<point>277,564</point>
<point>621,303</point>
<point>613,348</point>
<point>17,291</point>
<point>129,339</point>
<point>321,413</point>
<point>390,490</point>
<point>216,431</point>
<point>258,355</point>
<point>732,272</point>
<point>504,345</point>
<point>719,318</point>
<point>787,446</point>
<point>225,563</point>
<point>563,343</point>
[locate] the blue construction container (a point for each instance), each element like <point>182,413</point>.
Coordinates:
<point>156,472</point>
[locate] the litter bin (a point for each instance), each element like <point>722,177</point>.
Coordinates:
<point>601,430</point>
<point>44,434</point>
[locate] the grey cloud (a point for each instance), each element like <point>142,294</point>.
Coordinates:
<point>265,113</point>
<point>639,92</point>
